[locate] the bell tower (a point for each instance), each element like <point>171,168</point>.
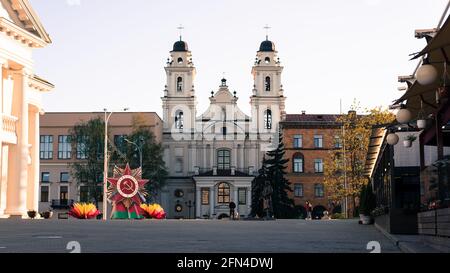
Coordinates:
<point>268,101</point>
<point>179,101</point>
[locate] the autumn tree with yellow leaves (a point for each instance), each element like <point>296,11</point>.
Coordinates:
<point>347,163</point>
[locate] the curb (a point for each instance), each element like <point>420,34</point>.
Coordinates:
<point>394,240</point>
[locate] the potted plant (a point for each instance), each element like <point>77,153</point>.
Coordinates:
<point>367,204</point>
<point>32,214</point>
<point>47,214</point>
<point>421,123</point>
<point>407,142</point>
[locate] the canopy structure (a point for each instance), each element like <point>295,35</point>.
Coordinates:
<point>426,97</point>
<point>375,145</point>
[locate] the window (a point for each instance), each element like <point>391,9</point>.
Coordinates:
<point>242,196</point>
<point>179,84</point>
<point>46,147</point>
<point>121,145</point>
<point>84,194</point>
<point>268,119</point>
<point>318,141</point>
<point>64,147</point>
<point>179,165</point>
<point>223,193</point>
<point>318,190</point>
<point>180,60</point>
<point>179,122</point>
<point>81,147</point>
<point>337,142</point>
<point>223,159</point>
<point>298,163</point>
<point>267,60</point>
<point>64,195</point>
<point>298,141</point>
<point>205,196</point>
<point>44,194</point>
<point>318,165</point>
<point>298,190</point>
<point>224,131</point>
<point>64,177</point>
<point>267,84</point>
<point>45,177</point>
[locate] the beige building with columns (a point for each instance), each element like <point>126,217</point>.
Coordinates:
<point>21,104</point>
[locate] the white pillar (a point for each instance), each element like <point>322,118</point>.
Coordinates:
<point>16,204</point>
<point>249,199</point>
<point>2,154</point>
<point>235,197</point>
<point>198,202</point>
<point>211,201</point>
<point>35,158</point>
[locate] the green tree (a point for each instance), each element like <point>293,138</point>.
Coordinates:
<point>153,166</point>
<point>257,190</point>
<point>88,140</point>
<point>276,171</point>
<point>344,170</point>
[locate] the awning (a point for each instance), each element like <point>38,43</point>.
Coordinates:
<point>438,50</point>
<point>375,144</point>
<point>440,42</point>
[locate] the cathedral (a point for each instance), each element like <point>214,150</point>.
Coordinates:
<point>213,157</point>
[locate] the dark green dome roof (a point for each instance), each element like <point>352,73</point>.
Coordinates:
<point>267,46</point>
<point>180,46</point>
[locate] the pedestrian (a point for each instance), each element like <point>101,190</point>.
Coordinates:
<point>232,208</point>
<point>308,211</point>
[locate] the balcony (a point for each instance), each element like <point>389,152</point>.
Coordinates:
<point>9,129</point>
<point>61,204</point>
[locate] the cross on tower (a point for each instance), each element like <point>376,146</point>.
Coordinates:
<point>267,31</point>
<point>180,28</point>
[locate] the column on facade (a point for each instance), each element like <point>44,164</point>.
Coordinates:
<point>16,203</point>
<point>198,201</point>
<point>33,168</point>
<point>235,197</point>
<point>249,199</point>
<point>211,201</point>
<point>2,150</point>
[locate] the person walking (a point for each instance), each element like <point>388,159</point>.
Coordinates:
<point>308,211</point>
<point>232,208</point>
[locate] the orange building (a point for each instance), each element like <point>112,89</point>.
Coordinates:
<point>308,141</point>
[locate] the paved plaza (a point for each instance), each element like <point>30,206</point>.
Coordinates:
<point>191,236</point>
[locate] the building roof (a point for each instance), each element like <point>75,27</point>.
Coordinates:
<point>310,118</point>
<point>180,46</point>
<point>267,46</point>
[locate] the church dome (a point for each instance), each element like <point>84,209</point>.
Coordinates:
<point>180,46</point>
<point>267,46</point>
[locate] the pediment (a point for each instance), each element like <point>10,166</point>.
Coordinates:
<point>22,14</point>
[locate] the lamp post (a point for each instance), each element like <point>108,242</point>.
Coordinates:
<point>139,148</point>
<point>105,163</point>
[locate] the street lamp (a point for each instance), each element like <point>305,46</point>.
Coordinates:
<point>105,163</point>
<point>139,148</point>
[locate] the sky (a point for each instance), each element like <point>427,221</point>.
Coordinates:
<point>111,53</point>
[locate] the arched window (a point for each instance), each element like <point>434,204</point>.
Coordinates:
<point>223,193</point>
<point>179,120</point>
<point>267,60</point>
<point>223,159</point>
<point>267,84</point>
<point>268,119</point>
<point>179,84</point>
<point>298,163</point>
<point>180,60</point>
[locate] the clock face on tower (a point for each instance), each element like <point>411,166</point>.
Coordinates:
<point>127,186</point>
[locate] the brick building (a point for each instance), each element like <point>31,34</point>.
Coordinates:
<point>308,140</point>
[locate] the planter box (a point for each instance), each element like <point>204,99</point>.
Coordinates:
<point>436,222</point>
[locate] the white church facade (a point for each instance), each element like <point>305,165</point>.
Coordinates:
<point>213,157</point>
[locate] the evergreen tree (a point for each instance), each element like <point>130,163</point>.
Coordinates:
<point>282,204</point>
<point>257,189</point>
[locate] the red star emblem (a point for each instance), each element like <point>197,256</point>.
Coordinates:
<point>127,184</point>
